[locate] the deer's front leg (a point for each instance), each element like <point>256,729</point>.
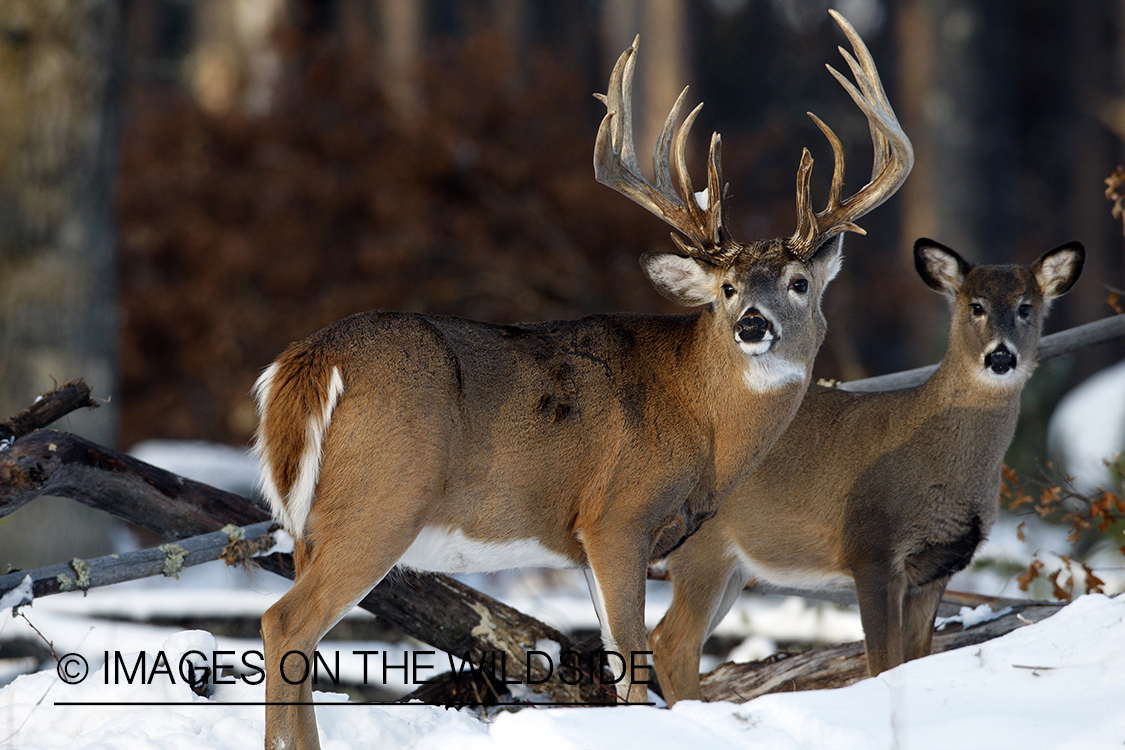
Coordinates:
<point>705,583</point>
<point>919,609</point>
<point>880,591</point>
<point>618,568</point>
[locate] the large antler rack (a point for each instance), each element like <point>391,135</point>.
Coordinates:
<point>894,156</point>
<point>699,217</point>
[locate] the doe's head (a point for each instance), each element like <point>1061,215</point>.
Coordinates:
<point>998,310</point>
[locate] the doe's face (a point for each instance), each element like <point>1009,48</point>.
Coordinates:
<point>998,311</point>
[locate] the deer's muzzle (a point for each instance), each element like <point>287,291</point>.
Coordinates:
<point>752,327</point>
<point>1000,360</point>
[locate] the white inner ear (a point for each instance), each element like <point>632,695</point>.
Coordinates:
<point>684,277</point>
<point>836,262</point>
<point>1053,273</point>
<point>944,269</point>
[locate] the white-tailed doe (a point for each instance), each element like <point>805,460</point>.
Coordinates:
<point>448,445</point>
<point>892,491</point>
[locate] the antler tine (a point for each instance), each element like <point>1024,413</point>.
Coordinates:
<point>615,165</point>
<point>894,155</point>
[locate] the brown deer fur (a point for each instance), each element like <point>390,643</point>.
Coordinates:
<point>891,491</point>
<point>602,443</point>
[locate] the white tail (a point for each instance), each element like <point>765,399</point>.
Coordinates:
<point>602,443</point>
<point>891,491</point>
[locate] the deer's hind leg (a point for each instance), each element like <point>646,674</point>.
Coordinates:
<point>358,528</point>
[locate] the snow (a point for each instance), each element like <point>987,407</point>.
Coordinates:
<point>222,466</point>
<point>1048,685</point>
<point>970,617</point>
<point>1088,427</point>
<point>19,595</point>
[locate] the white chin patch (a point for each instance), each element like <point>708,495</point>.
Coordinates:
<point>769,372</point>
<point>756,348</point>
<point>1013,377</point>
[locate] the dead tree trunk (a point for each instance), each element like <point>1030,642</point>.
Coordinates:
<point>59,67</point>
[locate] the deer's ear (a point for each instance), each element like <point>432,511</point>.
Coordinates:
<point>683,280</point>
<point>1057,270</point>
<point>941,268</point>
<point>828,259</point>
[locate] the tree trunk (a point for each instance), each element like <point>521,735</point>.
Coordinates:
<point>58,78</point>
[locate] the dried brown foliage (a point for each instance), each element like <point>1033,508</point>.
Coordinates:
<point>240,235</point>
<point>1113,192</point>
<point>1058,500</point>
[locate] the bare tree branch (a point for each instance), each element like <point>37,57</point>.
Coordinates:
<point>1055,345</point>
<point>50,406</point>
<point>433,608</point>
<point>236,544</point>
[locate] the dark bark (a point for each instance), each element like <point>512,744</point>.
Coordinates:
<point>839,666</point>
<point>433,608</point>
<point>47,408</point>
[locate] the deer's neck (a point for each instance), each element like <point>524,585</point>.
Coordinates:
<point>960,381</point>
<point>742,423</point>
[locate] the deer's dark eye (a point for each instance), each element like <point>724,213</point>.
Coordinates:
<point>976,309</point>
<point>1024,310</point>
<point>799,285</point>
<point>728,290</point>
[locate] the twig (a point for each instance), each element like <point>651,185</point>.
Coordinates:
<point>49,407</point>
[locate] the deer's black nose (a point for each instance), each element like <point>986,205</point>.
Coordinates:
<point>752,327</point>
<point>1000,360</point>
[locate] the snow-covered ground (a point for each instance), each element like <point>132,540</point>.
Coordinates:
<point>1051,685</point>
<point>1088,427</point>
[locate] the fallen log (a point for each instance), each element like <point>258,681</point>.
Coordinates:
<point>840,666</point>
<point>432,608</point>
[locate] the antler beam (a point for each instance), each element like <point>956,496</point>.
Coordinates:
<point>894,156</point>
<point>700,217</point>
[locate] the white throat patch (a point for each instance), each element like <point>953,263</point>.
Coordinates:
<point>769,372</point>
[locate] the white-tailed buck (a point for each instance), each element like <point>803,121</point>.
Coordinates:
<point>892,491</point>
<point>448,445</point>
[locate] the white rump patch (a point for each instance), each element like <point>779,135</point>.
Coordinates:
<point>308,471</point>
<point>444,550</point>
<point>769,372</point>
<point>261,391</point>
<point>294,513</point>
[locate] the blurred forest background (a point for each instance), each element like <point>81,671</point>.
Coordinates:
<point>188,186</point>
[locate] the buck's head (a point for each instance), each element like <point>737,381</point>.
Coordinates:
<point>997,311</point>
<point>762,298</point>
